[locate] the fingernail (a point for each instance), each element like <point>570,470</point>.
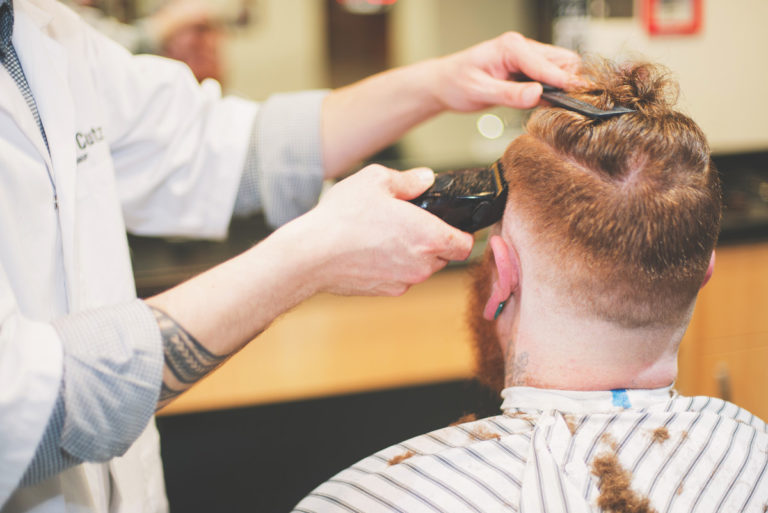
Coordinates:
<point>532,94</point>
<point>425,175</point>
<point>576,82</point>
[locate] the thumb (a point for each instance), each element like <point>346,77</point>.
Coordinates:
<point>410,184</point>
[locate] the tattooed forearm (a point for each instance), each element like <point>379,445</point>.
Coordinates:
<point>167,393</point>
<point>185,358</point>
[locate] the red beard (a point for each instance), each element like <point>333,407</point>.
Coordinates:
<point>489,359</point>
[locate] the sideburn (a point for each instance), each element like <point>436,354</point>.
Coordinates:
<point>489,358</point>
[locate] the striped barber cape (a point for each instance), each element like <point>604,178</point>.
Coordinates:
<point>561,451</point>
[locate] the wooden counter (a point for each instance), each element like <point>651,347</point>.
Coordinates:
<point>725,351</point>
<point>334,345</point>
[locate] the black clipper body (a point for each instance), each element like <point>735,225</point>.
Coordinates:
<point>469,199</point>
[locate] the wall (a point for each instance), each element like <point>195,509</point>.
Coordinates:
<point>719,69</point>
<point>722,70</point>
<point>283,49</point>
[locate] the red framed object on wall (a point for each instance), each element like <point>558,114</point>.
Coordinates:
<point>667,17</point>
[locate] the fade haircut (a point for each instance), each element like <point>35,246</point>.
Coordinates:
<point>628,207</point>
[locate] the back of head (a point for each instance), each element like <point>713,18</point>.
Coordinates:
<point>626,209</point>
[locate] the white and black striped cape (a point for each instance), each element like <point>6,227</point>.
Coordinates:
<point>555,451</point>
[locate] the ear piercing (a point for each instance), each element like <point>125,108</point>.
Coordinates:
<point>499,309</point>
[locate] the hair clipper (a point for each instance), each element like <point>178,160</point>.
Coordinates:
<point>469,199</point>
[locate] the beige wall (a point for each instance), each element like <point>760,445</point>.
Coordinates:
<point>723,70</point>
<point>283,49</point>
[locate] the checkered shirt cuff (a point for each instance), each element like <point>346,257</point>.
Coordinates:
<point>113,364</point>
<point>283,173</point>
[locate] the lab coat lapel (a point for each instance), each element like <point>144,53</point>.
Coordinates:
<point>12,102</point>
<point>45,65</point>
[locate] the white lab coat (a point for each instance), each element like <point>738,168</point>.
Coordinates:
<point>134,143</point>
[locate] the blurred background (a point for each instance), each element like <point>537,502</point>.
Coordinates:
<point>715,49</point>
<point>339,378</point>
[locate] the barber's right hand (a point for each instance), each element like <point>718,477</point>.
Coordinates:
<point>367,241</point>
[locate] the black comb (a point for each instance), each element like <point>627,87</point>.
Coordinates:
<point>560,98</point>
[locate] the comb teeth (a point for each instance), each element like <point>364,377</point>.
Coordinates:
<point>561,99</point>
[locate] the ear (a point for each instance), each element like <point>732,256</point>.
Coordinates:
<point>507,275</point>
<point>710,270</point>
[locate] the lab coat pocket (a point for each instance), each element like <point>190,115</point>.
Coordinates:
<point>94,167</point>
<point>102,248</point>
<point>98,207</point>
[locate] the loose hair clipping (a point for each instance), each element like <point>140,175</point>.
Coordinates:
<point>559,98</point>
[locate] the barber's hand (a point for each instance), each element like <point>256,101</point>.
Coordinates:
<point>368,241</point>
<point>479,77</point>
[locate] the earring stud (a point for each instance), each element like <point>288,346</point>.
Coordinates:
<point>499,309</point>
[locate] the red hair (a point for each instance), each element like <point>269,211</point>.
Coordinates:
<point>631,203</point>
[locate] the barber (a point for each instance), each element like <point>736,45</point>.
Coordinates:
<point>94,142</point>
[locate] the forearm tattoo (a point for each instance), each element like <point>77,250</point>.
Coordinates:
<point>167,393</point>
<point>184,356</point>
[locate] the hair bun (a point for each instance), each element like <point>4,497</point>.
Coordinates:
<point>637,85</point>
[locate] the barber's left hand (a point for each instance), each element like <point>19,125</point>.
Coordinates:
<point>479,77</point>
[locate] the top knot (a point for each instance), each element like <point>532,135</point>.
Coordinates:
<point>641,86</point>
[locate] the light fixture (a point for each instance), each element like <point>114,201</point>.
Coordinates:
<point>490,126</point>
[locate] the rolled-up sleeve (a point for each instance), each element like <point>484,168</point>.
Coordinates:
<point>283,173</point>
<point>113,366</point>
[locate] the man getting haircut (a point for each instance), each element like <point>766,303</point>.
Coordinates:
<point>578,308</point>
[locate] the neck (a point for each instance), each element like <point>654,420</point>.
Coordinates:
<point>550,348</point>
